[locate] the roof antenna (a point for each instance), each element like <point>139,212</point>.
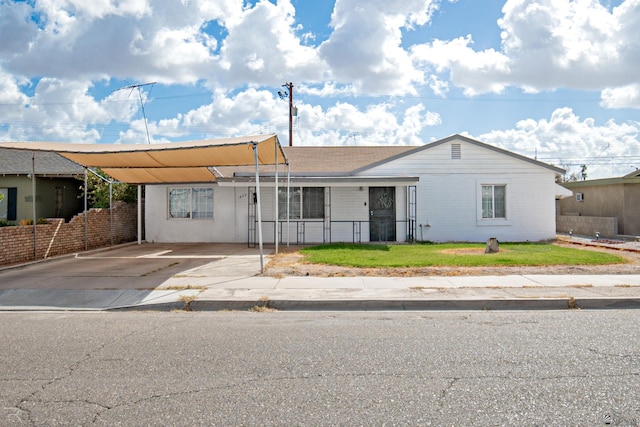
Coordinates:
<point>144,115</point>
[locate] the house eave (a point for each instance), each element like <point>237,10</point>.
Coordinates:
<point>319,181</point>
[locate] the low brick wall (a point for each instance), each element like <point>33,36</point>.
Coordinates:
<point>587,225</point>
<point>59,238</point>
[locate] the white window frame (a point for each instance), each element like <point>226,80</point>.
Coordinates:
<point>481,221</point>
<point>191,202</point>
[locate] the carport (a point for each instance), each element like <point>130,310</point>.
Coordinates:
<point>170,163</point>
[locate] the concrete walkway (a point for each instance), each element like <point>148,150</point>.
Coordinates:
<point>232,281</point>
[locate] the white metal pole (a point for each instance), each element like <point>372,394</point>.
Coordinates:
<point>259,207</point>
<point>288,195</point>
<point>139,214</point>
<point>277,200</point>
<point>86,213</point>
<point>111,211</point>
<point>33,207</point>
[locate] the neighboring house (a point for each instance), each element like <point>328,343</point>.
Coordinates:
<point>58,192</point>
<point>454,189</point>
<point>609,206</point>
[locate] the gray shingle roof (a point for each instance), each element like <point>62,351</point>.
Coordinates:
<point>328,160</point>
<point>19,162</point>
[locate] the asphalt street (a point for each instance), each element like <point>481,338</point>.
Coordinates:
<point>570,367</point>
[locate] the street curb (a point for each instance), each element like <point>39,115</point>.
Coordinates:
<point>512,304</point>
<point>607,303</point>
<point>417,305</point>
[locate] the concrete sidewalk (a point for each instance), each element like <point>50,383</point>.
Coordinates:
<point>233,282</point>
<point>422,293</point>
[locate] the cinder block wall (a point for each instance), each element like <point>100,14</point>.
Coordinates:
<point>587,225</point>
<point>59,238</point>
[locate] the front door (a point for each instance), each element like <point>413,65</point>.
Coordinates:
<point>382,214</point>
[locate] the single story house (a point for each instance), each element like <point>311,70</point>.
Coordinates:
<point>57,189</point>
<point>617,199</point>
<point>245,189</point>
<point>454,189</point>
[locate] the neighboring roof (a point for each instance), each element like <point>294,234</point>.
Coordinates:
<point>18,162</point>
<point>470,141</point>
<point>604,181</point>
<point>165,163</point>
<point>634,174</point>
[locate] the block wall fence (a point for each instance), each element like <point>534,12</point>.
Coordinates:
<point>57,237</point>
<point>587,225</point>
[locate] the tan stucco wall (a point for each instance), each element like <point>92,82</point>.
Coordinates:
<point>621,201</point>
<point>631,215</point>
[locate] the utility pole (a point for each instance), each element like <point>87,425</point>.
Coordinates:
<point>283,94</point>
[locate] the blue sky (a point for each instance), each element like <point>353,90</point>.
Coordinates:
<point>552,79</point>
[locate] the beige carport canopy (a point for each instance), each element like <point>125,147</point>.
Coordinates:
<point>176,162</point>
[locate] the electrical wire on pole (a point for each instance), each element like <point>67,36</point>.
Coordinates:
<point>144,115</point>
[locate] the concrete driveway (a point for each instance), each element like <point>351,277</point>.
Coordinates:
<point>145,266</point>
<point>121,276</point>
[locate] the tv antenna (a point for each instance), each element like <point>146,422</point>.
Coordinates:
<point>144,115</point>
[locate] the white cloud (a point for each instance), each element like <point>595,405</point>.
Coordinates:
<point>621,97</point>
<point>475,71</point>
<point>243,113</point>
<point>329,89</point>
<point>262,48</point>
<point>15,31</point>
<point>439,87</point>
<point>69,39</point>
<point>10,93</point>
<point>546,45</point>
<point>365,46</point>
<point>569,43</point>
<point>377,124</point>
<point>567,141</point>
<point>60,110</point>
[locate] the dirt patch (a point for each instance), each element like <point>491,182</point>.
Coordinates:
<point>291,262</point>
<point>468,251</point>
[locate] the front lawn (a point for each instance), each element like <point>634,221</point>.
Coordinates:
<point>454,254</point>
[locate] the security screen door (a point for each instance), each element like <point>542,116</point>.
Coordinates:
<point>382,214</point>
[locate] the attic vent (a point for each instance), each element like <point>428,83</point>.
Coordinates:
<point>456,151</point>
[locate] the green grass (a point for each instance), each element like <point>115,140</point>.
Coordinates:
<point>454,254</point>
